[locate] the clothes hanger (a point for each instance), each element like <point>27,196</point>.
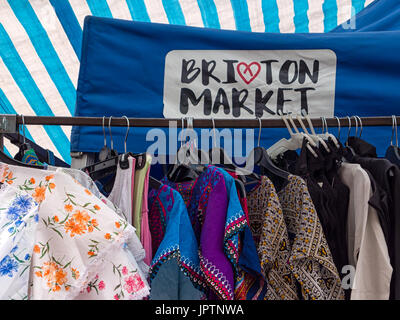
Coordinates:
<point>293,143</point>
<point>328,135</point>
<point>350,153</point>
<point>306,136</point>
<point>44,155</point>
<point>11,161</point>
<point>392,148</point>
<point>338,126</point>
<point>311,143</point>
<point>185,168</point>
<point>197,156</point>
<point>218,156</point>
<point>259,156</point>
<point>24,146</point>
<point>102,169</point>
<point>313,134</point>
<point>105,152</point>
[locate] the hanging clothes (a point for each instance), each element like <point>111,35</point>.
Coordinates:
<point>145,235</point>
<point>239,245</point>
<point>271,237</point>
<point>85,181</point>
<point>208,222</point>
<point>311,260</point>
<point>175,272</point>
<point>387,177</point>
<point>368,251</point>
<point>393,155</point>
<point>139,183</point>
<point>121,194</point>
<point>329,195</point>
<point>82,249</point>
<point>18,220</point>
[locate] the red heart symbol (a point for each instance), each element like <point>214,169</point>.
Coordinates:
<point>248,75</point>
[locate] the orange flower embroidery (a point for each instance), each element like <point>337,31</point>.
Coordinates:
<point>74,228</point>
<point>39,194</point>
<point>38,274</point>
<point>91,253</point>
<point>55,218</point>
<point>96,207</point>
<point>10,181</point>
<point>88,192</point>
<point>54,275</point>
<point>107,236</point>
<point>94,223</point>
<point>117,224</point>
<point>56,288</point>
<point>68,207</point>
<point>32,180</point>
<point>81,217</point>
<point>48,178</point>
<point>61,276</point>
<point>52,185</point>
<point>36,249</point>
<point>90,228</point>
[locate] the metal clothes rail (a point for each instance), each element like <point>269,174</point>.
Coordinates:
<point>10,123</point>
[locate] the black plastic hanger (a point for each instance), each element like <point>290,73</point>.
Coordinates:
<point>154,183</point>
<point>24,144</point>
<point>109,166</point>
<point>259,156</point>
<point>219,157</point>
<point>11,161</point>
<point>393,151</point>
<point>187,166</point>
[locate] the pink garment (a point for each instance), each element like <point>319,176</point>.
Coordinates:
<point>132,190</point>
<point>145,235</point>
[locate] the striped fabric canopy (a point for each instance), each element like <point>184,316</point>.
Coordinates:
<point>40,43</point>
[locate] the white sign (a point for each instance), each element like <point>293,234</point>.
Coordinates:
<point>249,83</point>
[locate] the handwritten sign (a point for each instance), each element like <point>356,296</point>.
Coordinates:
<point>248,83</point>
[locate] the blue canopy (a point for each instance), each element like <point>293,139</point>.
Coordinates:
<point>118,78</point>
<point>381,15</point>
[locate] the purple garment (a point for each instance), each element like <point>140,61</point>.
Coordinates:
<point>207,202</point>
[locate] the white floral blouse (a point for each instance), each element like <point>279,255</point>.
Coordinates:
<point>18,222</point>
<point>82,248</point>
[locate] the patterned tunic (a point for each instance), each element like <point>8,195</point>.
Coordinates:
<point>218,220</point>
<point>269,231</point>
<point>169,220</point>
<point>310,259</point>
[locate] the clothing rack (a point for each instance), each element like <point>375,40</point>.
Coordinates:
<point>10,123</point>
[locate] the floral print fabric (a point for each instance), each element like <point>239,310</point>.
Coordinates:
<point>18,222</point>
<point>82,248</point>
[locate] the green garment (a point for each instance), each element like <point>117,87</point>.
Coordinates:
<point>140,176</point>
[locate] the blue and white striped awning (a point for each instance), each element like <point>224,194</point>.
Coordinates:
<point>40,43</point>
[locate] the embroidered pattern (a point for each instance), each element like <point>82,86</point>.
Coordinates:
<point>271,237</point>
<point>310,259</point>
<point>168,204</point>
